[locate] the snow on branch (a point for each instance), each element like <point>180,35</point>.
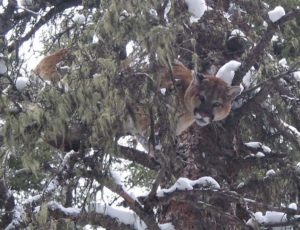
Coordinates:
<point>102,215</point>
<point>38,199</point>
<point>123,215</point>
<point>259,147</point>
<point>273,219</point>
<point>114,184</point>
<point>196,9</point>
<point>16,218</point>
<point>57,211</point>
<point>291,129</point>
<point>277,13</point>
<point>183,184</point>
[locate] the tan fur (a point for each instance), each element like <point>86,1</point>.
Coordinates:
<point>46,69</point>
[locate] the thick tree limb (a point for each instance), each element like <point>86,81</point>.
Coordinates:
<point>257,52</point>
<point>138,156</point>
<point>147,217</point>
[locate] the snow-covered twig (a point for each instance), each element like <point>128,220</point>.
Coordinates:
<point>187,184</point>
<point>292,129</point>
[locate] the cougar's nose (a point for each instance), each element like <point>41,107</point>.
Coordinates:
<point>204,114</point>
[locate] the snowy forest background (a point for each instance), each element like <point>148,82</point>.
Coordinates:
<point>66,165</point>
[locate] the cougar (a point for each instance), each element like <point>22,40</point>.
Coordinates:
<point>204,98</point>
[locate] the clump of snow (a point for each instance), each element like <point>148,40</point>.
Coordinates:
<point>293,206</point>
<point>116,178</point>
<point>270,173</point>
<point>237,33</point>
<point>95,39</point>
<point>258,145</point>
<point>276,13</point>
<point>249,77</point>
<point>253,144</point>
<point>22,82</point>
<point>186,184</point>
<point>266,149</point>
<point>166,226</point>
<point>79,19</point>
<point>298,167</point>
<point>163,91</point>
<point>3,68</point>
<point>296,75</point>
<point>122,214</point>
<point>227,71</point>
<point>196,8</point>
<point>260,155</point>
<point>283,62</point>
<point>275,38</point>
<point>129,47</point>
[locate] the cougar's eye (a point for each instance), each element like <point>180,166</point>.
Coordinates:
<point>201,97</point>
<point>217,104</point>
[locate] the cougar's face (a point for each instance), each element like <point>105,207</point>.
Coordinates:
<point>209,98</point>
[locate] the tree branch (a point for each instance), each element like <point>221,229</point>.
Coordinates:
<point>147,217</point>
<point>257,52</point>
<point>291,70</point>
<point>138,156</point>
<point>43,20</point>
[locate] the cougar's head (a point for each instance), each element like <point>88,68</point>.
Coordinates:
<point>209,98</point>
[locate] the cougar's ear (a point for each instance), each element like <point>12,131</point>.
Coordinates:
<point>234,91</point>
<point>197,78</point>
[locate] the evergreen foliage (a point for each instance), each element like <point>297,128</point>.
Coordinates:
<point>63,143</point>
